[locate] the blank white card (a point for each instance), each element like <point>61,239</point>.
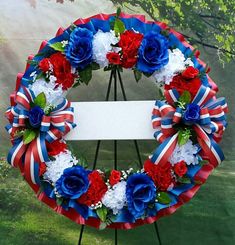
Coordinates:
<point>112,120</point>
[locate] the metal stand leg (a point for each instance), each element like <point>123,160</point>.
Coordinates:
<point>158,233</point>
<point>81,233</point>
<point>113,77</point>
<point>116,240</point>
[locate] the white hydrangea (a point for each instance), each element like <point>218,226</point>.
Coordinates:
<point>102,45</point>
<point>56,168</point>
<point>186,152</point>
<point>115,198</point>
<point>176,64</point>
<point>54,95</point>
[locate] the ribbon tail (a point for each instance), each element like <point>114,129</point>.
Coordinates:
<point>15,154</point>
<point>209,146</point>
<point>31,169</point>
<point>164,151</point>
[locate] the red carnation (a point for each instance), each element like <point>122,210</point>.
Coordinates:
<point>96,190</point>
<point>113,58</point>
<point>190,73</point>
<point>114,177</point>
<point>44,65</point>
<point>181,84</point>
<point>62,70</point>
<point>161,174</point>
<point>42,168</point>
<point>55,147</point>
<point>130,42</point>
<point>180,168</point>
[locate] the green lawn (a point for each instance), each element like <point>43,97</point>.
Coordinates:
<point>208,218</point>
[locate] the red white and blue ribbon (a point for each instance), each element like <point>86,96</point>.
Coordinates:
<point>209,128</point>
<point>53,127</point>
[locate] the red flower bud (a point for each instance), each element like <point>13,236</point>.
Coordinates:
<point>44,65</point>
<point>190,73</point>
<point>55,147</point>
<point>113,58</point>
<point>42,168</point>
<point>180,168</point>
<point>114,177</point>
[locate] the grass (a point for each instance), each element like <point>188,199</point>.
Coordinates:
<point>208,218</point>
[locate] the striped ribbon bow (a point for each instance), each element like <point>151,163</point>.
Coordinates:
<point>209,128</point>
<point>28,156</point>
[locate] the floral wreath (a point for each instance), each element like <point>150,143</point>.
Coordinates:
<point>188,122</point>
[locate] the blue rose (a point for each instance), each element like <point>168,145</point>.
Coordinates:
<point>79,49</point>
<point>73,183</point>
<point>153,52</point>
<point>191,114</point>
<point>140,191</point>
<point>35,116</point>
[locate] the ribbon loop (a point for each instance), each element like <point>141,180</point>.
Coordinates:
<point>53,127</point>
<point>209,128</point>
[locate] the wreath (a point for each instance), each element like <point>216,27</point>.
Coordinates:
<point>188,122</point>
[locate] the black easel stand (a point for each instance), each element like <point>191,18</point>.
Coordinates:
<point>115,76</point>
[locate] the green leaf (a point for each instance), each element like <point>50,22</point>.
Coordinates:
<point>32,62</point>
<point>165,32</point>
<point>183,136</point>
<point>57,46</point>
<point>147,74</point>
<point>59,201</point>
<point>19,133</point>
<point>40,100</point>
<point>43,186</point>
<point>86,75</point>
<point>108,68</point>
<point>102,226</point>
<point>163,197</point>
<point>137,75</point>
<point>102,213</point>
<point>184,180</point>
<point>40,54</point>
<point>76,84</point>
<point>52,158</point>
<point>119,27</point>
<point>119,10</point>
<point>29,135</point>
<point>40,75</point>
<point>95,66</point>
<point>185,98</point>
<point>161,94</point>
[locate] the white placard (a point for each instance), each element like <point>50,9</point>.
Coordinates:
<point>112,120</point>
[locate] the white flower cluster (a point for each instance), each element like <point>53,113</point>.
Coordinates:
<point>102,44</point>
<point>177,63</point>
<point>186,152</point>
<point>54,95</point>
<point>56,168</point>
<point>115,197</point>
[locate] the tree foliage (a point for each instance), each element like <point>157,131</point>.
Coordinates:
<point>210,23</point>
